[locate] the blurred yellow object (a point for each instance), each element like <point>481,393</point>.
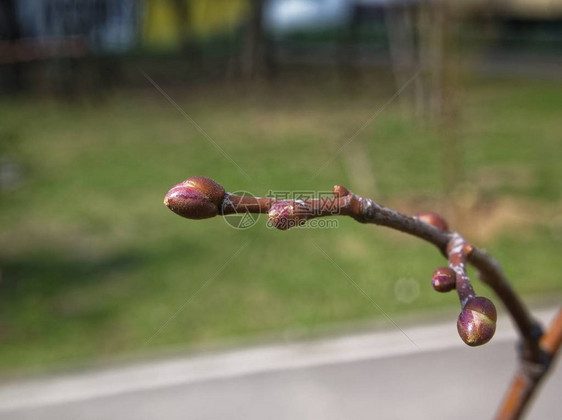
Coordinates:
<point>166,22</point>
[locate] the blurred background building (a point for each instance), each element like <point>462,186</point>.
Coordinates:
<point>51,39</point>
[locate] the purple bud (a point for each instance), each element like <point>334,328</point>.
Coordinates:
<point>477,321</point>
<point>213,190</point>
<point>284,215</point>
<point>195,198</point>
<point>444,279</point>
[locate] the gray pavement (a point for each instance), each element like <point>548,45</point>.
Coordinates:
<point>364,376</point>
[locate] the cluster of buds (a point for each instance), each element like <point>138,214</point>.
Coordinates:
<point>201,198</point>
<point>476,323</point>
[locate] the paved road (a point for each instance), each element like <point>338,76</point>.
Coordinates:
<point>366,376</point>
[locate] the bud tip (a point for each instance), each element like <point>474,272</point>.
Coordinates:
<point>477,321</point>
<point>195,198</point>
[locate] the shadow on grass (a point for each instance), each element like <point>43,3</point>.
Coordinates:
<point>47,275</point>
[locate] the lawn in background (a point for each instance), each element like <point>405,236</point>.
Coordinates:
<point>93,264</point>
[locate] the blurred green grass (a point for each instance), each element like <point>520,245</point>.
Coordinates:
<point>93,264</point>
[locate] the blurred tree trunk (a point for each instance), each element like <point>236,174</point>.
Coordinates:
<point>347,52</point>
<point>401,41</point>
<point>188,44</point>
<point>255,61</point>
<point>10,74</point>
<point>453,162</point>
<point>439,56</point>
<point>359,169</point>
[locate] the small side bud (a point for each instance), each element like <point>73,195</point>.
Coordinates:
<point>433,219</point>
<point>477,321</point>
<point>195,198</point>
<point>444,279</point>
<point>340,191</point>
<point>287,214</point>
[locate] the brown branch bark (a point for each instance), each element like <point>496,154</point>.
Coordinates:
<point>527,379</point>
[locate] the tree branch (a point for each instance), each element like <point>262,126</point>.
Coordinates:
<point>199,198</point>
